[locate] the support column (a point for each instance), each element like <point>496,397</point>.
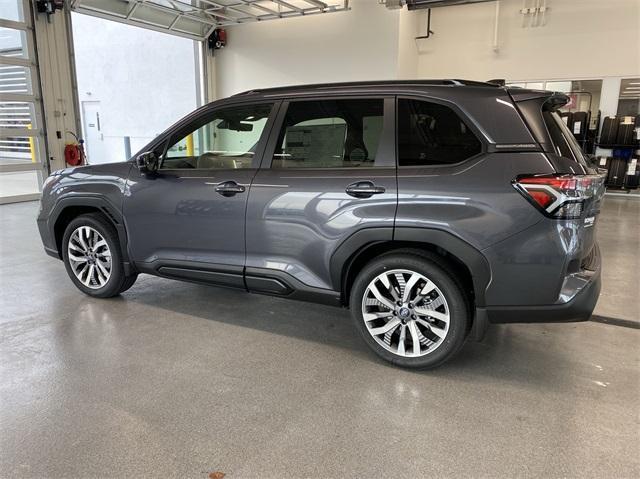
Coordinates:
<point>54,48</point>
<point>210,73</point>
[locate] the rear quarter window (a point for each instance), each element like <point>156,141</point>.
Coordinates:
<point>433,134</point>
<point>564,143</point>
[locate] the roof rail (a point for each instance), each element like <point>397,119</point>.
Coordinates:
<point>327,86</point>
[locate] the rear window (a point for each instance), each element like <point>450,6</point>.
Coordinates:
<point>564,143</point>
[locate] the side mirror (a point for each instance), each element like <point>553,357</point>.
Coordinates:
<point>147,162</point>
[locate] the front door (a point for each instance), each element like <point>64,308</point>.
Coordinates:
<point>329,172</point>
<point>187,220</point>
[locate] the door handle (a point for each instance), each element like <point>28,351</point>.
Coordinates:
<point>229,188</point>
<point>364,189</point>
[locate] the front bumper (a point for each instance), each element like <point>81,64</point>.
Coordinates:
<point>48,242</point>
<point>576,302</point>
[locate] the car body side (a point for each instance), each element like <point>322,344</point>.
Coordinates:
<point>515,263</point>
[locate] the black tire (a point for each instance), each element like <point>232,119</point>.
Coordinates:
<point>118,281</point>
<point>130,281</point>
<point>435,269</point>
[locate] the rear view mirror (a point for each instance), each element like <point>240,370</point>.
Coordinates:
<point>147,162</point>
<point>234,125</point>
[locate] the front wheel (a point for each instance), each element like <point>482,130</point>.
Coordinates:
<point>92,257</point>
<point>410,310</point>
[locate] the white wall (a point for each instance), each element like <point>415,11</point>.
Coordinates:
<point>144,80</point>
<point>581,39</point>
<point>410,26</point>
<point>360,44</point>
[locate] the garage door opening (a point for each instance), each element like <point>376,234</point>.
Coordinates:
<point>132,84</point>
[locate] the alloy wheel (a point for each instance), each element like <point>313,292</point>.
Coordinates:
<point>406,313</point>
<point>89,257</point>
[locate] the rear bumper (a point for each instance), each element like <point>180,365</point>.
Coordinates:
<point>576,301</point>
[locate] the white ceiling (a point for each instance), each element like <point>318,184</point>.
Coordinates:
<point>196,19</point>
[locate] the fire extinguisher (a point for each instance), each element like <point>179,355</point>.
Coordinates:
<point>74,152</point>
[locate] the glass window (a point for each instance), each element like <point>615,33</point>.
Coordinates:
<point>330,134</point>
<point>15,79</point>
<point>18,149</point>
<point>228,140</point>
<point>563,140</point>
<point>17,114</point>
<point>629,103</point>
<point>432,134</point>
<point>13,43</point>
<point>12,10</point>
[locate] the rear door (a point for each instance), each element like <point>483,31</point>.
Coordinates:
<point>328,172</point>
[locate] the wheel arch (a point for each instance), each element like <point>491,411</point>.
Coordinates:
<point>469,264</point>
<point>67,209</point>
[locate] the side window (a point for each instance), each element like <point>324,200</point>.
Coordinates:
<point>227,140</point>
<point>563,140</point>
<point>330,134</point>
<point>432,134</point>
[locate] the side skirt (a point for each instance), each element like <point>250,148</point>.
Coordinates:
<point>254,280</point>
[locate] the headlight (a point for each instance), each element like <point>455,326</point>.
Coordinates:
<point>49,180</point>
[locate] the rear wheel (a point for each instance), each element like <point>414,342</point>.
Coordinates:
<point>410,310</point>
<point>92,257</point>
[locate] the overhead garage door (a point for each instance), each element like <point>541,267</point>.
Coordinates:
<point>21,124</point>
<point>198,19</point>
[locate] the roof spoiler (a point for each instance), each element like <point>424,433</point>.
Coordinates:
<point>549,100</point>
<point>531,104</point>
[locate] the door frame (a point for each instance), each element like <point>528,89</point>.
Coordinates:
<point>84,124</point>
<point>387,138</point>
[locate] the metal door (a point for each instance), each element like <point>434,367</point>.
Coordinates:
<point>93,136</point>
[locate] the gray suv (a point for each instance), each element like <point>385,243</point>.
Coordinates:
<point>429,208</point>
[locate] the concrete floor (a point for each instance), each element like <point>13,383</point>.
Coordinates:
<point>174,379</point>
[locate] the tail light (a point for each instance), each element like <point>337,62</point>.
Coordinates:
<point>560,196</point>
